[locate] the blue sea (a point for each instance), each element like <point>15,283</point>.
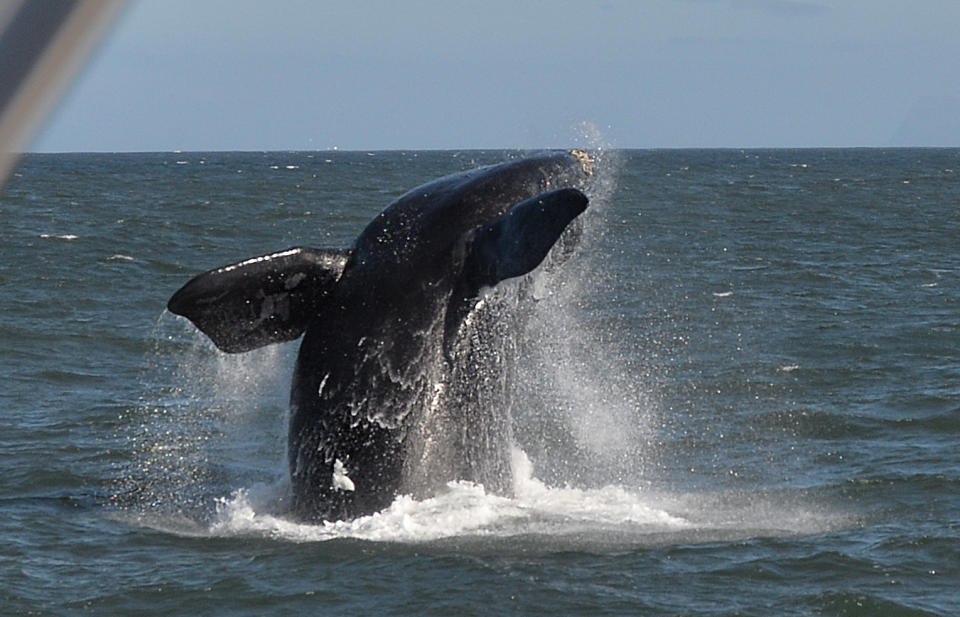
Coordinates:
<point>741,396</point>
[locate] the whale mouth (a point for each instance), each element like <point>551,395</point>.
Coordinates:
<point>586,161</point>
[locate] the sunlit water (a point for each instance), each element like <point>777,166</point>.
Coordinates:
<point>739,397</point>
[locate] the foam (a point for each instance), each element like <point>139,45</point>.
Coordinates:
<point>607,517</point>
<point>462,509</point>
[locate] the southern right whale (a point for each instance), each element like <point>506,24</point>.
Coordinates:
<point>401,382</point>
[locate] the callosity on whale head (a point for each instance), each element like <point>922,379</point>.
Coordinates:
<point>402,379</point>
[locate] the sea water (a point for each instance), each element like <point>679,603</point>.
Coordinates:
<point>740,396</point>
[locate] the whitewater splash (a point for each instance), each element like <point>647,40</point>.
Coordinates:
<point>554,518</point>
<point>463,509</point>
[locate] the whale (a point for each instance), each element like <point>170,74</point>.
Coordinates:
<point>409,337</point>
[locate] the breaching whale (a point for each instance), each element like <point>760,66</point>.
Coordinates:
<point>400,384</point>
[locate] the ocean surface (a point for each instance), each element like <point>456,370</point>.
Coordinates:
<point>740,397</point>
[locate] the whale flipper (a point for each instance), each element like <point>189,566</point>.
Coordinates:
<point>262,300</point>
<point>515,243</point>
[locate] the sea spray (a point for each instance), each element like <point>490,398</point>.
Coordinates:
<point>463,510</point>
<point>540,516</point>
<point>583,408</point>
<point>205,422</point>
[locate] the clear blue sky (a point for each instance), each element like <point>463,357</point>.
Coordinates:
<point>255,75</point>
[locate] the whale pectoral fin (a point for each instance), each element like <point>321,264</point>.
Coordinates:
<point>263,300</point>
<point>516,243</point>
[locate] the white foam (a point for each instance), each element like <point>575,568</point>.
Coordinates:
<point>608,516</point>
<point>462,509</point>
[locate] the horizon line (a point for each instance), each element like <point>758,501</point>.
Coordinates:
<point>490,149</point>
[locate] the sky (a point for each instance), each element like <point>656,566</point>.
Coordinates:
<point>440,74</point>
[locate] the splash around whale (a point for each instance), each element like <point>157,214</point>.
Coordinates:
<point>402,381</point>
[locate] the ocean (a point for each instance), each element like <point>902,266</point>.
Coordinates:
<point>741,396</point>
